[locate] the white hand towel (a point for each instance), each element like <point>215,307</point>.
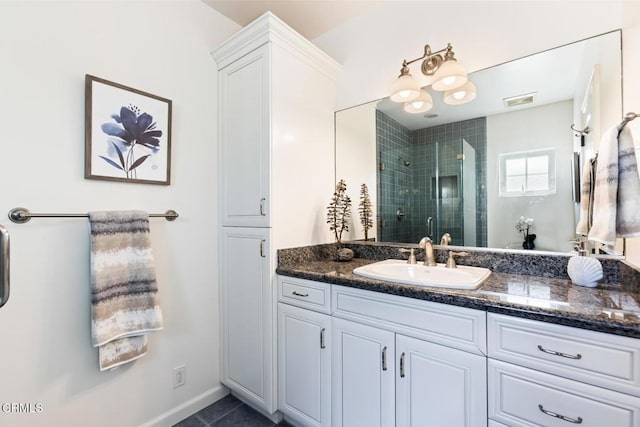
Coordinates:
<point>616,207</point>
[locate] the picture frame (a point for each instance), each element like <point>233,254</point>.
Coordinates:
<point>127,134</point>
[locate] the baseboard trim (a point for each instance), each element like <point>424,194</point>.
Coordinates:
<point>188,408</point>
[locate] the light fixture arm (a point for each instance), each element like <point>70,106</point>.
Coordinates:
<point>432,60</point>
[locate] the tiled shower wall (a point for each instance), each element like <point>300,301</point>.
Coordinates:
<point>410,187</point>
<point>393,147</point>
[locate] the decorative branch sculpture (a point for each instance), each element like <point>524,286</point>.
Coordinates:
<point>366,211</point>
<point>339,211</point>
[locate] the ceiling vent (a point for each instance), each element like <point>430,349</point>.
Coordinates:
<point>516,101</point>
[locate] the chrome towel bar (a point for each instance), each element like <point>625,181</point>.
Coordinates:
<point>22,215</point>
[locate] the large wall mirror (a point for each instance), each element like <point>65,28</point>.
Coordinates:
<point>473,170</point>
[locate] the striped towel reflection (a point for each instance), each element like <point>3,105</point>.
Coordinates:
<point>124,292</point>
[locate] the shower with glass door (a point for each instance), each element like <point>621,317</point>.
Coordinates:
<point>428,188</point>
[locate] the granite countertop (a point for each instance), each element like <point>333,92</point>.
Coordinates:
<point>612,307</point>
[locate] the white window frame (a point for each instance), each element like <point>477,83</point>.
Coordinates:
<point>550,153</point>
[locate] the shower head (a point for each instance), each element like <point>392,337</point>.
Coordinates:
<point>405,162</point>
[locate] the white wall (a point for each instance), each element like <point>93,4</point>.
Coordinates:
<point>45,346</point>
<point>356,163</point>
<point>521,131</point>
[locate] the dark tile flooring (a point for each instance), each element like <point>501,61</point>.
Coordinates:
<point>230,412</point>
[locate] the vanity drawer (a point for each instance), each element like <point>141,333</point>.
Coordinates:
<point>596,358</point>
<point>448,325</point>
<point>307,294</point>
<point>523,397</point>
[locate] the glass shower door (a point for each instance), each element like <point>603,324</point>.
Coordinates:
<point>452,202</point>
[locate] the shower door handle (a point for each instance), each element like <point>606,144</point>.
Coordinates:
<point>430,227</point>
<point>4,265</point>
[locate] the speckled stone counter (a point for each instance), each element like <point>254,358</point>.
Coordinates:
<point>529,285</point>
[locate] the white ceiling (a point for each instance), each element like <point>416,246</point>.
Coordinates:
<point>310,18</point>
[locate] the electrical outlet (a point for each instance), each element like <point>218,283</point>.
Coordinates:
<point>179,376</point>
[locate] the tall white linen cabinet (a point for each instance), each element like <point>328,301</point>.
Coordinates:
<point>276,100</point>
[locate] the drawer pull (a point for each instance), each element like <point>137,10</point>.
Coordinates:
<point>562,417</point>
<point>262,254</point>
<point>402,365</point>
<point>322,338</point>
<point>384,358</point>
<point>298,294</point>
<point>557,353</point>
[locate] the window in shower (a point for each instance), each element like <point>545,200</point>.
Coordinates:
<point>528,173</point>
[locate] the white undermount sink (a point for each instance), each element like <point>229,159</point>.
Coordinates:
<point>399,271</point>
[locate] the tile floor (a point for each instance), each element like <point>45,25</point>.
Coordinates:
<point>228,412</point>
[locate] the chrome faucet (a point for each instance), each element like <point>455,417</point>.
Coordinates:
<point>429,258</point>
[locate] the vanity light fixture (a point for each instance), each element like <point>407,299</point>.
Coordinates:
<point>446,74</point>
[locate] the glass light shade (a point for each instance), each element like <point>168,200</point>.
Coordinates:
<point>405,89</point>
<point>422,103</point>
<point>461,95</point>
<point>450,75</point>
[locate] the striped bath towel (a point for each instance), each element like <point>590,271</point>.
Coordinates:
<point>616,206</point>
<point>124,292</point>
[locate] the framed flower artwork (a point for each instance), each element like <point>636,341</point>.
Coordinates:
<point>127,134</point>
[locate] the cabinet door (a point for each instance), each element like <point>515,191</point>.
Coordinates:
<point>243,109</point>
<point>246,306</point>
<point>304,365</point>
<point>363,375</point>
<point>439,386</point>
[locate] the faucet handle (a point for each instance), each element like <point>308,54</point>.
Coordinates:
<point>451,263</point>
<point>412,255</point>
<point>445,239</point>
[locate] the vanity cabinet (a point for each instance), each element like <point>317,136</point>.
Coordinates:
<point>546,374</point>
<point>276,160</point>
<point>438,385</point>
<point>304,351</point>
<point>387,370</point>
<point>363,375</point>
